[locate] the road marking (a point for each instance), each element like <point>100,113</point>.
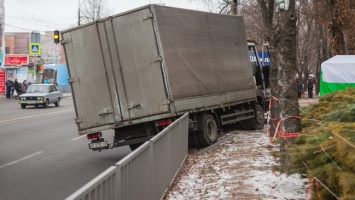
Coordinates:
<point>34,116</point>
<point>77,138</point>
<point>19,160</point>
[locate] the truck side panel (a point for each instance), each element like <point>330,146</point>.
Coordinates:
<point>213,101</point>
<point>88,78</point>
<point>204,53</point>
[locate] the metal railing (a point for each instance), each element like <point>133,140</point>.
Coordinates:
<point>146,173</point>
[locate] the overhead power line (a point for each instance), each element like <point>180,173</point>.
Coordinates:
<point>18,27</point>
<point>33,21</point>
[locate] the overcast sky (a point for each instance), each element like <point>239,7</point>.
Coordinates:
<point>49,15</point>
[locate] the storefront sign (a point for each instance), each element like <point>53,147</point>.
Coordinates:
<point>16,59</point>
<point>2,81</point>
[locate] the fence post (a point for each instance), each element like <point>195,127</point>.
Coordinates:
<point>118,183</point>
<point>151,169</point>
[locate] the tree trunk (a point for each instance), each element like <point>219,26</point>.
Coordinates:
<point>285,70</point>
<point>336,34</point>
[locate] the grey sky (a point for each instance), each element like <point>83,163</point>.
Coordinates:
<point>49,15</point>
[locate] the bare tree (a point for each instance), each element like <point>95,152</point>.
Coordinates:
<point>338,17</point>
<point>92,10</point>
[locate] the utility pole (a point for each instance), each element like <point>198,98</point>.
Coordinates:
<point>234,10</point>
<point>79,13</point>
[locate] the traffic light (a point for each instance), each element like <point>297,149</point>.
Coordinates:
<point>56,36</point>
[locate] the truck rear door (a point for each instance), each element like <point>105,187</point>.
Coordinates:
<point>140,65</point>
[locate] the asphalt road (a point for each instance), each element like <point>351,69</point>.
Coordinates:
<point>41,155</point>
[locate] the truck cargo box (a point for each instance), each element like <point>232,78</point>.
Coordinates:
<point>154,62</point>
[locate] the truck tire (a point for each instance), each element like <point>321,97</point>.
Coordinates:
<point>209,133</point>
<point>255,123</point>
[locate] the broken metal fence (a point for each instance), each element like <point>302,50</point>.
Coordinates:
<point>146,173</point>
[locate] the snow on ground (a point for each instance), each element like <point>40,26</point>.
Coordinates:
<point>239,168</point>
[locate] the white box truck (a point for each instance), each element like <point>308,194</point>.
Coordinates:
<point>137,71</point>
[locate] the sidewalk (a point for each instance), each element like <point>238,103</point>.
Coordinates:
<point>307,101</point>
<point>240,168</point>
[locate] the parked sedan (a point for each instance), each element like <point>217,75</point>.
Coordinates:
<point>40,94</point>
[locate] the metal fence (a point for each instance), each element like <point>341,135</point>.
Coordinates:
<point>146,173</point>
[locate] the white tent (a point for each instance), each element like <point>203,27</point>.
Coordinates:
<point>337,73</point>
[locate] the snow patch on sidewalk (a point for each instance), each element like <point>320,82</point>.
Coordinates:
<point>240,168</point>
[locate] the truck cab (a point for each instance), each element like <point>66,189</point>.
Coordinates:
<point>260,63</point>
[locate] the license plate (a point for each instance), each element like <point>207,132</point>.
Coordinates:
<point>29,101</point>
<point>98,145</point>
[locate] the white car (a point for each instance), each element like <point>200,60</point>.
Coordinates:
<point>40,94</point>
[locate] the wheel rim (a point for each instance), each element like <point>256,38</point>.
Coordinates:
<point>211,129</point>
<point>47,103</point>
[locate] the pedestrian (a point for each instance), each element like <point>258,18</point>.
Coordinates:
<point>299,88</point>
<point>310,84</point>
<point>24,86</point>
<point>9,88</point>
<point>17,88</point>
<point>46,80</point>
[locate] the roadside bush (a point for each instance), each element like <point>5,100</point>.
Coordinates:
<point>326,147</point>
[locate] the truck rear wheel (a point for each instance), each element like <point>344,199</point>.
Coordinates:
<point>209,133</point>
<point>255,123</point>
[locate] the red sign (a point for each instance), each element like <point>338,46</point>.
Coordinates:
<point>2,81</point>
<point>16,59</point>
